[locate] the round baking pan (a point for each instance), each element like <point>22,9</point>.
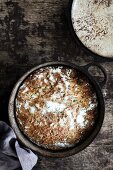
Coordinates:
<point>100,113</point>
<point>79,42</point>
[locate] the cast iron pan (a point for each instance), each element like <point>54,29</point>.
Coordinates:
<point>78,41</point>
<point>101,109</point>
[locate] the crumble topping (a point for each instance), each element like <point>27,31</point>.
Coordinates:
<point>56,107</point>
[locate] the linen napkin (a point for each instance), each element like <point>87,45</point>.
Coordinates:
<point>13,156</point>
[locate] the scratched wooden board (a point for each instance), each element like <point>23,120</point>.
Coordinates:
<point>37,31</point>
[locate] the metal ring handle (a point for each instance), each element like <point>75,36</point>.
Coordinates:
<point>101,68</point>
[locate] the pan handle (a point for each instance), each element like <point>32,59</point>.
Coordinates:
<point>102,83</point>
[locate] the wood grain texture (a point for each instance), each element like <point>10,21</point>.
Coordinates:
<point>37,31</point>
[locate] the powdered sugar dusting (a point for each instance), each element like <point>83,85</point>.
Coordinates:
<point>71,119</point>
<point>26,105</point>
<point>63,122</point>
<point>32,109</point>
<point>54,107</point>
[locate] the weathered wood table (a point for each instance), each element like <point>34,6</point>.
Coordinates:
<point>37,31</point>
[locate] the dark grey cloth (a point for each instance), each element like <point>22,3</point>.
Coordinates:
<point>12,155</point>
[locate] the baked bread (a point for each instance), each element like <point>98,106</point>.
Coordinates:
<point>56,107</point>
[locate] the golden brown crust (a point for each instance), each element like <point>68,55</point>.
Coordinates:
<point>55,107</point>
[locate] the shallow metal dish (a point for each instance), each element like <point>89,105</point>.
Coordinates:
<point>78,41</point>
<point>101,109</point>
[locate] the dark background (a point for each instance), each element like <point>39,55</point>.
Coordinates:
<point>34,32</point>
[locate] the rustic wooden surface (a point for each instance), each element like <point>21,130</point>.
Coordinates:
<point>34,32</point>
